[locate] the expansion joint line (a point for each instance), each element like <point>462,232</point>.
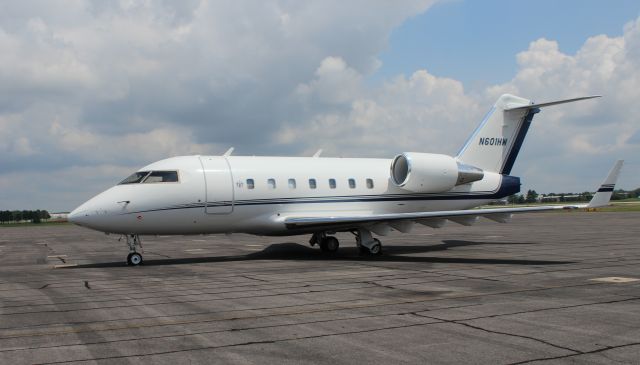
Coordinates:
<point>462,323</point>
<point>606,348</point>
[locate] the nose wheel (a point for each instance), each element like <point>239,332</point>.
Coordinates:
<point>134,258</point>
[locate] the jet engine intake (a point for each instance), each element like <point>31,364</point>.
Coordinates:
<point>431,173</point>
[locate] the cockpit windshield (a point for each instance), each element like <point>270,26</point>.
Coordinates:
<point>135,178</point>
<point>150,177</point>
<point>161,176</point>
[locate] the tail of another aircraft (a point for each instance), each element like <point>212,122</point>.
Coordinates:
<point>495,143</point>
<point>602,196</point>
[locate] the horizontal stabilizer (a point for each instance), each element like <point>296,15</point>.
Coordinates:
<point>542,105</point>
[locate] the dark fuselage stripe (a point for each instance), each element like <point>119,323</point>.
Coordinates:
<point>324,201</point>
<point>508,185</point>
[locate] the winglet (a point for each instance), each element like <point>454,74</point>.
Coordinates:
<point>542,105</point>
<point>602,196</point>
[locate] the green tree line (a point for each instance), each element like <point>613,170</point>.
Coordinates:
<point>11,216</point>
<point>531,196</point>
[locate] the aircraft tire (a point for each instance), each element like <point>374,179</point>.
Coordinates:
<point>134,259</point>
<point>376,249</point>
<point>329,244</point>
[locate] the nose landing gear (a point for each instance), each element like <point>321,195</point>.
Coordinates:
<point>134,258</point>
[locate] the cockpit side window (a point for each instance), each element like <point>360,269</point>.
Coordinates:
<point>135,178</point>
<point>161,177</point>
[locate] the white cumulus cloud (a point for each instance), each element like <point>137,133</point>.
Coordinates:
<point>106,87</point>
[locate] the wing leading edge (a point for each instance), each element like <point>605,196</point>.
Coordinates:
<point>465,217</point>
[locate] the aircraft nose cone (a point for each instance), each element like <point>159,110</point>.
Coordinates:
<point>78,216</point>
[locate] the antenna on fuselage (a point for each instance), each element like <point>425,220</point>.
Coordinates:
<point>317,154</point>
<point>228,153</point>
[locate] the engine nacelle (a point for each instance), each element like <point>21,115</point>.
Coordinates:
<point>431,173</point>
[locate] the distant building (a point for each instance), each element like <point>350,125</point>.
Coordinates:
<point>58,217</point>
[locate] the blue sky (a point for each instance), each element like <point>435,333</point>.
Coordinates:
<point>476,41</point>
<point>91,91</point>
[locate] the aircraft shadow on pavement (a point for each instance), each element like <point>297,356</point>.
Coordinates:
<point>391,253</point>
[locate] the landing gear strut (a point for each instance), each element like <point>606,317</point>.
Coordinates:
<point>134,258</point>
<point>366,243</point>
<point>328,244</point>
<point>364,240</point>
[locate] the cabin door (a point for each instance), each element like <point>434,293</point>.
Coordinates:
<point>218,185</point>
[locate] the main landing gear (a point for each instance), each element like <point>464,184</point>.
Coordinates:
<point>364,240</point>
<point>366,243</point>
<point>328,244</point>
<point>134,258</point>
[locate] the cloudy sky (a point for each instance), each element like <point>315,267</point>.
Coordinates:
<point>92,90</point>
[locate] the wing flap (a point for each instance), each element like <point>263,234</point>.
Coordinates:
<point>458,216</point>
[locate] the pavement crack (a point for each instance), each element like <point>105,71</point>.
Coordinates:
<point>253,278</point>
<point>553,308</point>
<point>519,336</point>
<point>247,343</point>
<point>191,333</point>
<point>158,254</point>
<point>606,348</point>
<point>381,285</point>
<point>171,301</point>
<point>498,332</point>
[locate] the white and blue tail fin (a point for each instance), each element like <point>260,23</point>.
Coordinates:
<point>602,196</point>
<point>495,144</point>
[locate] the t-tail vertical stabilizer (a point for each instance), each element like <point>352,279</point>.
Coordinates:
<point>602,196</point>
<point>495,143</point>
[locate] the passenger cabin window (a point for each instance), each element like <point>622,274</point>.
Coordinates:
<point>369,183</point>
<point>250,184</point>
<point>332,183</point>
<point>292,183</point>
<point>271,183</point>
<point>161,177</point>
<point>135,178</point>
<point>312,183</point>
<point>352,183</point>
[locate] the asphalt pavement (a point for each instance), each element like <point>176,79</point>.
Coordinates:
<point>561,287</point>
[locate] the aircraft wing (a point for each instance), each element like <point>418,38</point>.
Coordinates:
<point>438,218</point>
<point>465,217</point>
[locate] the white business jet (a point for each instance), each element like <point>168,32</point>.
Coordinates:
<point>320,196</point>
